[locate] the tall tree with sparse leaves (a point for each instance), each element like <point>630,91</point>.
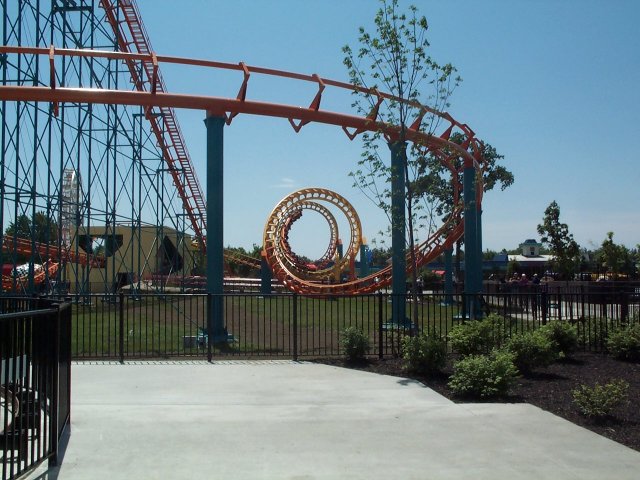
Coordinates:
<point>434,187</point>
<point>395,59</point>
<point>560,242</point>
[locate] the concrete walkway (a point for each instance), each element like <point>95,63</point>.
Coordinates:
<point>285,420</point>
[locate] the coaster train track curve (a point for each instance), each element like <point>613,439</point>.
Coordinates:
<point>438,143</point>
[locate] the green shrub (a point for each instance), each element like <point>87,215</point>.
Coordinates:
<point>423,353</point>
<point>624,342</point>
<point>354,343</point>
<point>478,336</point>
<point>483,376</point>
<point>593,332</point>
<point>563,335</point>
<point>600,400</point>
<point>531,350</point>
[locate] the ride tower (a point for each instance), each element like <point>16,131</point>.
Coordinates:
<point>105,192</point>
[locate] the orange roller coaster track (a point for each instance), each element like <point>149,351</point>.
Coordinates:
<point>283,262</point>
<point>436,140</point>
<point>54,257</point>
<point>48,270</point>
<point>26,247</point>
<point>131,36</point>
<point>300,280</point>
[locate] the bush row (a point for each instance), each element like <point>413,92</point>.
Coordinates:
<point>491,359</point>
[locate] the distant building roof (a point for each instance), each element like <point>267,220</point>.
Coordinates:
<point>537,259</point>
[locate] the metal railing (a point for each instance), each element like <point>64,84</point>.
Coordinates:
<point>35,382</point>
<point>294,326</point>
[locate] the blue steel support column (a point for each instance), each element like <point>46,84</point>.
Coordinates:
<point>265,276</point>
<point>364,263</point>
<point>215,211</point>
<point>470,240</point>
<point>479,256</point>
<point>337,273</point>
<point>398,227</point>
<point>448,276</point>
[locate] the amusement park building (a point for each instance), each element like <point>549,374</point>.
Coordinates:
<point>530,260</point>
<point>139,255</point>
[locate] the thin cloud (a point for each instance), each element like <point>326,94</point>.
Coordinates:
<point>285,182</point>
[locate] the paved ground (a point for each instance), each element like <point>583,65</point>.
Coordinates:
<point>285,420</point>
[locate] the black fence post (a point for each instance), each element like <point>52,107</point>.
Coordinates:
<point>380,330</point>
<point>559,306</point>
<point>506,299</point>
<point>624,307</point>
<point>544,301</point>
<point>295,327</point>
<point>209,328</point>
<point>121,327</point>
<point>55,387</point>
<point>464,307</point>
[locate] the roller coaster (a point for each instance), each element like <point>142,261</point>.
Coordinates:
<point>82,91</point>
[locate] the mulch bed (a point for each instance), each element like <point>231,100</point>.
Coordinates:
<point>549,389</point>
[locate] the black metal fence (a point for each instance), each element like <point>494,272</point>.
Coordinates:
<point>293,326</point>
<point>35,388</point>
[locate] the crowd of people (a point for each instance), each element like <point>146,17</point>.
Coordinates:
<point>520,280</point>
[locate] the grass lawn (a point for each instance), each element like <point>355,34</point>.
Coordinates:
<point>156,325</point>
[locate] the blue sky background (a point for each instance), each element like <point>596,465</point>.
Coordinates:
<point>553,85</point>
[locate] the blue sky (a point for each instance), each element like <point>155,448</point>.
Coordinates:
<point>553,85</point>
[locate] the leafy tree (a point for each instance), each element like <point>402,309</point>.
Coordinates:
<point>512,267</point>
<point>562,246</point>
<point>239,260</point>
<point>40,228</point>
<point>635,259</point>
<point>434,185</point>
<point>615,258</point>
<point>489,254</point>
<point>395,59</point>
<point>379,256</point>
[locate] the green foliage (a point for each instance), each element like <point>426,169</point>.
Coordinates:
<point>379,256</point>
<point>593,332</point>
<point>354,343</point>
<point>434,181</point>
<point>615,258</point>
<point>40,228</point>
<point>395,58</point>
<point>561,244</point>
<point>600,400</point>
<point>430,277</point>
<point>423,353</point>
<point>241,262</point>
<point>563,335</point>
<point>484,376</point>
<point>624,342</point>
<point>512,267</point>
<point>478,336</point>
<point>531,350</point>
